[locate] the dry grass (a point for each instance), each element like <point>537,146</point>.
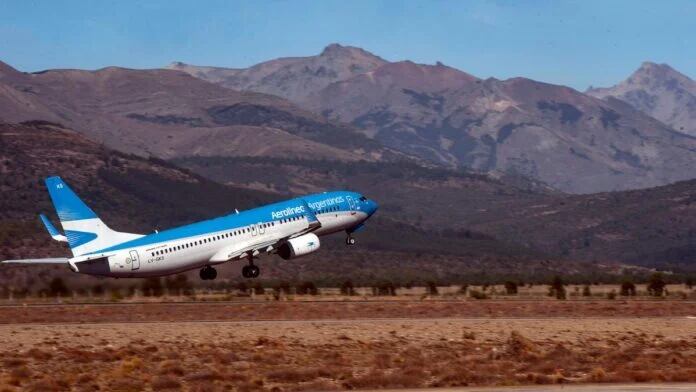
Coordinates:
<point>315,355</point>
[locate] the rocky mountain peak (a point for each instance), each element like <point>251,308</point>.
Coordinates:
<point>659,91</point>
<point>333,49</point>
<point>338,50</point>
<point>651,73</point>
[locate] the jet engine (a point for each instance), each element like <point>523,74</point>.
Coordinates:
<point>299,246</point>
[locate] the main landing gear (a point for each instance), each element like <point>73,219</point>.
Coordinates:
<point>251,271</point>
<point>208,273</point>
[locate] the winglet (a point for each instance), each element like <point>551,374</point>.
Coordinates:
<point>55,234</point>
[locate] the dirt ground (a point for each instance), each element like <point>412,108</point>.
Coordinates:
<point>329,352</point>
<point>290,310</point>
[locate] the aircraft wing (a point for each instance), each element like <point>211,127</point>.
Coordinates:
<point>50,260</point>
<point>266,244</point>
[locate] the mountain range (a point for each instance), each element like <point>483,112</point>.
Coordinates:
<point>170,114</point>
<point>469,172</point>
<point>135,194</point>
<point>441,224</point>
<point>574,142</point>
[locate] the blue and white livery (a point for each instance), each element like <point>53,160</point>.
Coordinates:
<point>289,229</point>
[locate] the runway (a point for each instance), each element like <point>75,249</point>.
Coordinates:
<point>337,310</point>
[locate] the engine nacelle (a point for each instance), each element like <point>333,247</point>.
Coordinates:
<point>300,246</point>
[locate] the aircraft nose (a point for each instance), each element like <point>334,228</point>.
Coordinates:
<point>371,207</point>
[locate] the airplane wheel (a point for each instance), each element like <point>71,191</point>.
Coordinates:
<point>350,241</point>
<point>245,271</point>
<point>208,273</point>
<point>254,271</point>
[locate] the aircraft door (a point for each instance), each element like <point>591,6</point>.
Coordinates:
<point>253,230</point>
<point>262,229</point>
<point>135,260</point>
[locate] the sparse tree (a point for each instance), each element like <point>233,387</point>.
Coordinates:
<point>463,289</point>
<point>384,288</point>
<point>557,288</point>
<point>57,288</point>
<point>656,285</point>
<point>282,287</point>
<point>431,288</point>
<point>347,288</point>
<point>511,287</point>
<point>98,290</point>
<point>152,287</point>
<point>242,288</point>
<point>307,288</point>
<point>178,284</point>
<point>586,292</point>
<point>258,288</point>
<point>628,289</point>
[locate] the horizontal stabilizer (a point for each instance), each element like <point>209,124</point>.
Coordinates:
<point>55,234</point>
<point>50,260</point>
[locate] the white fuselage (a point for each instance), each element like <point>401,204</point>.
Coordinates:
<point>182,254</point>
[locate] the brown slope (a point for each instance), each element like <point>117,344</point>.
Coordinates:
<point>19,99</point>
<point>573,142</point>
<point>294,78</point>
<point>139,195</point>
<point>654,226</point>
<point>659,91</point>
<point>167,113</point>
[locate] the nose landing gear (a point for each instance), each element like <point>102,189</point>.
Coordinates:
<point>208,273</point>
<point>350,240</point>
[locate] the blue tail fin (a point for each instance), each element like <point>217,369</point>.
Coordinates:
<point>68,206</point>
<point>84,230</point>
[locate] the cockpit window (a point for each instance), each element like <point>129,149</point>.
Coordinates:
<point>363,198</point>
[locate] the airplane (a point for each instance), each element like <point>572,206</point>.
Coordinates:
<point>289,229</point>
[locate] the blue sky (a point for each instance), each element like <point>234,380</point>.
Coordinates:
<point>576,43</point>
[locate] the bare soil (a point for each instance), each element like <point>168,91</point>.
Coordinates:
<point>346,354</point>
<point>305,310</point>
